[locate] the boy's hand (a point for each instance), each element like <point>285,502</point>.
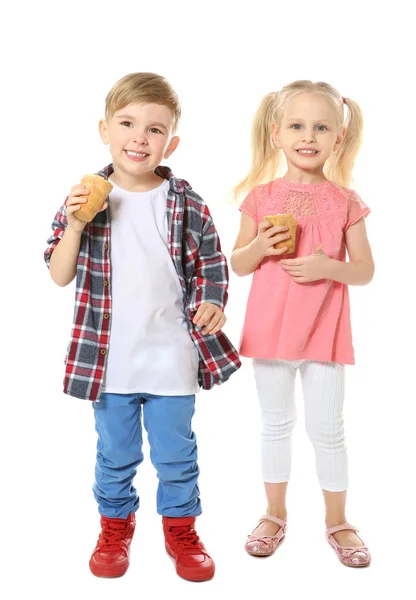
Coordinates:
<point>209,316</point>
<point>75,200</point>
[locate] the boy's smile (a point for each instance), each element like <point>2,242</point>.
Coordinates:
<point>140,136</point>
<point>136,156</point>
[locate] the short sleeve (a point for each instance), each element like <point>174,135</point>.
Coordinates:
<point>249,206</point>
<point>356,209</point>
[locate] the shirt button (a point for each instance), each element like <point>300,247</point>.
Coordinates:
<point>105,282</point>
<point>106,315</point>
<point>103,351</point>
<point>106,246</point>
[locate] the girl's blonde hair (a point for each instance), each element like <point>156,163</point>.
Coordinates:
<point>267,160</point>
<point>142,88</point>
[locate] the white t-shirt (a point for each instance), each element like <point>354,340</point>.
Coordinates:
<point>151,350</point>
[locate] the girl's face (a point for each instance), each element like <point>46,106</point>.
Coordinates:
<point>309,132</point>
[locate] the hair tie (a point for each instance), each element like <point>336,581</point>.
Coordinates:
<point>344,100</point>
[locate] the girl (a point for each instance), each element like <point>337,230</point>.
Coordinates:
<point>298,314</point>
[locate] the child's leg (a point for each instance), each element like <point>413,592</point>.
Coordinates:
<point>173,452</point>
<point>119,452</point>
<point>275,382</point>
<point>276,500</point>
<point>323,388</point>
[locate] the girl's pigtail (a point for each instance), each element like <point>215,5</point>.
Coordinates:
<point>340,167</point>
<point>264,154</point>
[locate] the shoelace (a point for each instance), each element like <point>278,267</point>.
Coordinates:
<point>187,540</point>
<point>113,534</point>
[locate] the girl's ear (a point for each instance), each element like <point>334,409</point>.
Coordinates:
<point>275,137</point>
<point>340,138</point>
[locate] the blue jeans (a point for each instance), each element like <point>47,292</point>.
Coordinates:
<point>173,452</point>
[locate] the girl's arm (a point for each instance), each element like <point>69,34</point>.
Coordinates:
<point>360,268</point>
<point>246,255</point>
<point>358,271</point>
<point>253,244</point>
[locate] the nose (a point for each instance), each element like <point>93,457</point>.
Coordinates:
<point>140,138</point>
<point>309,136</point>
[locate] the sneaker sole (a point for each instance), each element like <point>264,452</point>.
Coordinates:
<point>107,571</point>
<point>206,575</point>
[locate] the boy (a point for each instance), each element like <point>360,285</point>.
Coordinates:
<point>150,295</point>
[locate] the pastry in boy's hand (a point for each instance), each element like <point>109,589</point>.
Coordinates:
<point>99,189</point>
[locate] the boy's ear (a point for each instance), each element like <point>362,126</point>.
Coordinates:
<point>275,137</point>
<point>103,131</point>
<point>173,144</point>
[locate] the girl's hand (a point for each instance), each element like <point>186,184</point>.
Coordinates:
<point>268,235</point>
<point>307,268</point>
<point>77,197</point>
<point>209,316</point>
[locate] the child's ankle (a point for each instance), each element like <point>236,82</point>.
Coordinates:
<point>335,522</point>
<point>276,511</point>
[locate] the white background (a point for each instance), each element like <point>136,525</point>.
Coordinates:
<point>58,63</point>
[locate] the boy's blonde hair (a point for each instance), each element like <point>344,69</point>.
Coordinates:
<point>267,160</point>
<point>142,88</point>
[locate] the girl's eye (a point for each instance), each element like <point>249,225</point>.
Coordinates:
<point>321,127</point>
<point>155,130</point>
<point>126,123</point>
<point>296,126</point>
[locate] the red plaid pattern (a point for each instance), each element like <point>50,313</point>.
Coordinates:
<point>202,271</point>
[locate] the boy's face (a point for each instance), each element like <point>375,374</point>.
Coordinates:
<point>140,136</point>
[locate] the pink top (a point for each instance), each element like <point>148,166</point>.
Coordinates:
<point>292,321</point>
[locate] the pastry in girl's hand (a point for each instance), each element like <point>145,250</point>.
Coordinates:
<point>290,222</point>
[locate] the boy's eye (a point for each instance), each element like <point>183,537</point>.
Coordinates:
<point>155,130</point>
<point>126,123</point>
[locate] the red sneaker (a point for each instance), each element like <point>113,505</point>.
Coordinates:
<point>111,555</point>
<point>182,543</point>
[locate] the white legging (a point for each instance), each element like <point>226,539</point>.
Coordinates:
<point>323,391</point>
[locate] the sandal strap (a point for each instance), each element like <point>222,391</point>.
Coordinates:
<point>276,520</point>
<point>344,527</point>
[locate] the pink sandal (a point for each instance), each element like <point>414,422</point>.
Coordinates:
<point>266,545</point>
<point>350,556</point>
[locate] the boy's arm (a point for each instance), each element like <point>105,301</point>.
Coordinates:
<point>58,227</point>
<point>61,256</point>
<point>62,252</point>
<point>210,279</point>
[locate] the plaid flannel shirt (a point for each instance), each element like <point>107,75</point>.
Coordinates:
<point>195,250</point>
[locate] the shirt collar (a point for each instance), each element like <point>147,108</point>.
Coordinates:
<point>176,185</point>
